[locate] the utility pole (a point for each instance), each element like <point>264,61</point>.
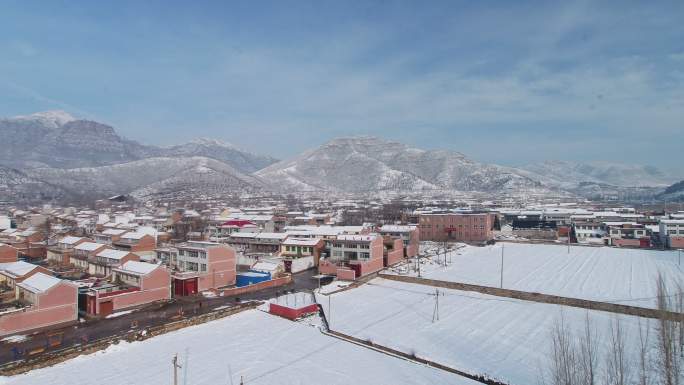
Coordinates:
<point>502,262</point>
<point>176,366</point>
<point>435,312</point>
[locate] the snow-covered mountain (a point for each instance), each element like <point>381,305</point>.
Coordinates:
<point>674,192</point>
<point>212,148</point>
<point>363,164</point>
<point>569,175</point>
<point>17,186</point>
<point>149,178</point>
<point>57,139</point>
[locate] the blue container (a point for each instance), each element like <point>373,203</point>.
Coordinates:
<point>250,278</point>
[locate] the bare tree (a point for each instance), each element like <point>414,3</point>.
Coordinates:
<point>617,362</point>
<point>564,360</point>
<point>644,354</point>
<point>588,353</point>
<point>669,344</point>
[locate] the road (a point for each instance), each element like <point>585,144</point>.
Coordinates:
<point>153,315</point>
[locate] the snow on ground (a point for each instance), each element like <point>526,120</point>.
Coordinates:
<point>119,314</point>
<point>334,286</point>
<point>15,338</point>
<point>261,348</point>
<point>504,338</point>
<point>609,274</point>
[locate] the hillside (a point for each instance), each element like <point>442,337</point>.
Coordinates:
<point>360,164</point>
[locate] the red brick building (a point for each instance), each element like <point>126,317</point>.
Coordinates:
<point>456,227</point>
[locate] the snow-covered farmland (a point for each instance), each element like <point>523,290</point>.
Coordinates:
<point>261,348</point>
<point>625,276</point>
<point>505,338</point>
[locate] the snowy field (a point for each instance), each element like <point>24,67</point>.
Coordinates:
<point>503,338</point>
<point>264,349</point>
<point>625,276</point>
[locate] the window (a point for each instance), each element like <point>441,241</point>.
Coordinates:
<point>203,267</point>
<point>364,255</point>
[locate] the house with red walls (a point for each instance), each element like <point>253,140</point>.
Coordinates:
<point>45,301</point>
<point>410,240</point>
<point>132,285</point>
<point>63,249</point>
<point>354,256</point>
<point>12,273</point>
<point>203,265</point>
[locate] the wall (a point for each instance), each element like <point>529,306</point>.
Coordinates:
<point>345,274</point>
<point>8,254</point>
<point>57,306</point>
<point>301,264</point>
<point>326,267</point>
<point>258,286</point>
<point>292,313</point>
<point>146,243</point>
<point>155,286</point>
<point>396,254</point>
<point>221,266</point>
<point>676,242</point>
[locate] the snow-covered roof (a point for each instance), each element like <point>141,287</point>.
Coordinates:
<point>114,231</point>
<point>18,268</point>
<point>69,240</point>
<point>135,235</point>
<point>271,235</point>
<point>265,266</point>
<point>39,283</point>
<point>356,238</point>
<point>89,246</point>
<point>672,221</point>
<point>137,268</point>
<point>397,228</point>
<point>301,241</point>
<point>112,254</point>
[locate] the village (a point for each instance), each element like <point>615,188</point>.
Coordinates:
<point>72,277</point>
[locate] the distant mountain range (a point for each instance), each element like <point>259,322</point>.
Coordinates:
<point>54,156</point>
<point>366,164</point>
<point>57,139</point>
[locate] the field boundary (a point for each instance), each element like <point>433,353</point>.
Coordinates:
<point>539,297</point>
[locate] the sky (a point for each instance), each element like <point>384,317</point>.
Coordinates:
<point>508,82</point>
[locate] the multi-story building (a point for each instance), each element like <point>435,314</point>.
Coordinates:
<point>590,232</point>
<point>203,266</point>
<point>456,227</point>
<point>628,234</point>
<point>353,256</point>
<point>132,284</point>
<point>672,233</point>
<point>300,254</point>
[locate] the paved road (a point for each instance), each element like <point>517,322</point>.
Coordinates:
<point>153,315</point>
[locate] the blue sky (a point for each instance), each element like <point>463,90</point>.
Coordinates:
<point>509,82</point>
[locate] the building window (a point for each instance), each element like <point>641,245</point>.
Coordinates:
<point>203,267</point>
